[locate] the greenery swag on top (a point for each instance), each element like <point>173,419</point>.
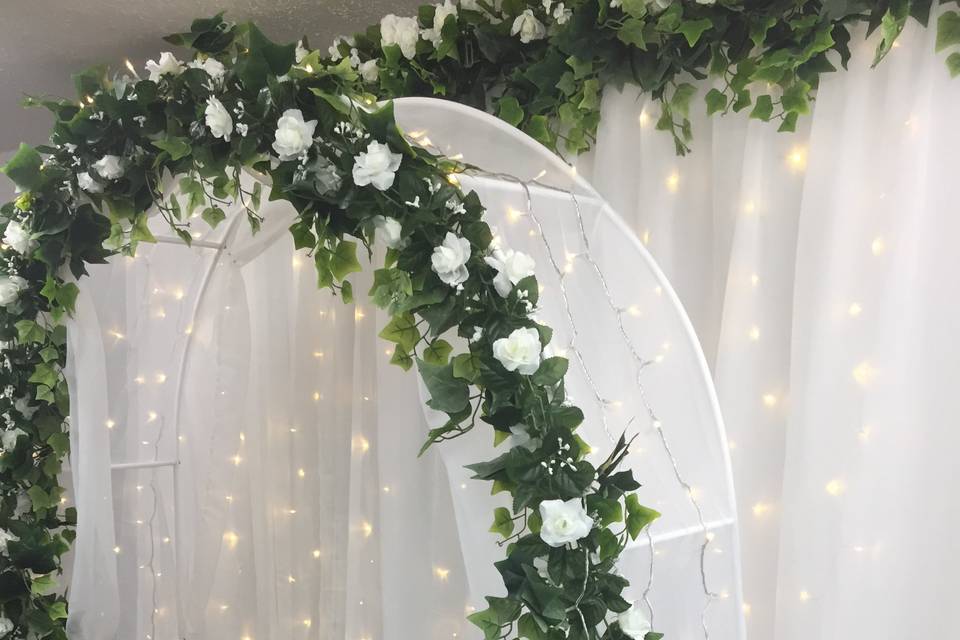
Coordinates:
<point>541,64</point>
<point>244,102</point>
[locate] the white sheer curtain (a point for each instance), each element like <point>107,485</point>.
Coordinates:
<point>818,269</point>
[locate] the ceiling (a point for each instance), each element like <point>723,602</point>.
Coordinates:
<point>43,41</point>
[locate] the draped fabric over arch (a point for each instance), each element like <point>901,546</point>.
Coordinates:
<point>245,458</point>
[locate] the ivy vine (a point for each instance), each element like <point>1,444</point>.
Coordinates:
<point>243,102</point>
<point>542,64</point>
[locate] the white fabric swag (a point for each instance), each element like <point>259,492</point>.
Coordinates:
<point>299,508</point>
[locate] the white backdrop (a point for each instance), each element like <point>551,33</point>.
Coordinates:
<point>298,507</point>
<point>819,270</point>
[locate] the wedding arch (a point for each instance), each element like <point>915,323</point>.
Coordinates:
<point>180,144</point>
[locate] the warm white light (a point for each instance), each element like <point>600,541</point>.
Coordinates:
<point>673,182</point>
<point>643,118</point>
<point>854,309</point>
<point>358,314</point>
<point>178,293</point>
<point>441,573</point>
<point>645,237</point>
<point>151,416</point>
<point>236,460</point>
<point>291,579</point>
<point>863,373</point>
<point>754,279</point>
<point>878,246</point>
<point>116,334</point>
<point>296,263</point>
<point>797,158</point>
<point>513,215</point>
<point>316,396</point>
<point>835,487</point>
<point>140,380</point>
<point>307,622</point>
<point>129,65</point>
<point>301,473</point>
<point>116,550</point>
<point>230,539</point>
<point>749,206</point>
<point>634,310</point>
<point>746,608</point>
<point>110,424</point>
<point>864,433</point>
<point>316,553</point>
<point>366,528</point>
<point>804,596</point>
<point>658,290</point>
<point>760,509</point>
<point>160,377</point>
<point>770,400</point>
<point>695,493</point>
<point>188,330</point>
<point>361,443</point>
<point>318,354</point>
<point>754,333</point>
<point>386,489</point>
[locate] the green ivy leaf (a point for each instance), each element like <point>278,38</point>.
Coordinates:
<point>948,30</point>
<point>447,394</point>
<point>29,331</point>
<point>24,168</point>
<point>716,101</point>
<point>438,353</point>
<point>633,32</point>
<point>763,108</point>
<point>509,110</point>
<point>177,147</point>
<point>401,358</point>
<point>693,29</point>
<point>213,216</point>
<point>466,366</point>
<point>344,260</point>
<point>502,522</point>
<point>141,231</point>
<point>402,329</point>
<point>550,372</point>
<point>953,64</point>
<point>638,516</point>
<point>346,292</point>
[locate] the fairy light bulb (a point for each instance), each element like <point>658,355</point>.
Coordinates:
<point>160,377</point>
<point>769,400</point>
<point>760,509</point>
<point>754,333</point>
<point>441,573</point>
<point>754,279</point>
<point>863,373</point>
<point>301,473</point>
<point>835,487</point>
<point>316,553</point>
<point>878,246</point>
<point>110,424</point>
<point>673,182</point>
<point>797,159</point>
<point>366,528</point>
<point>643,118</point>
<point>804,596</point>
<point>231,539</point>
<point>854,310</point>
<point>361,444</point>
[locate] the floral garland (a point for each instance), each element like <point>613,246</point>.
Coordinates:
<point>541,64</point>
<point>244,102</point>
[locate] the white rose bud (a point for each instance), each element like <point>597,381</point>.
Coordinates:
<point>293,136</point>
<point>88,184</point>
<point>403,32</point>
<point>212,66</point>
<point>5,537</point>
<point>520,351</point>
<point>388,231</point>
<point>528,27</point>
<point>449,260</point>
<point>10,288</point>
<point>377,166</point>
<point>8,439</point>
<point>440,14</point>
<point>168,65</point>
<point>634,623</point>
<point>18,238</point>
<point>369,71</point>
<point>109,167</point>
<point>218,119</point>
<point>512,267</point>
<point>6,626</point>
<point>564,521</point>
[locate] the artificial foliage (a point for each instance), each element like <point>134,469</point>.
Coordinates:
<point>245,103</point>
<point>762,57</point>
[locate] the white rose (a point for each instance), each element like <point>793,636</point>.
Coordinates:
<point>218,119</point>
<point>212,66</point>
<point>512,267</point>
<point>369,71</point>
<point>109,167</point>
<point>563,521</point>
<point>168,65</point>
<point>634,623</point>
<point>293,136</point>
<point>400,31</point>
<point>449,260</point>
<point>561,14</point>
<point>6,626</point>
<point>5,537</point>
<point>88,184</point>
<point>377,165</point>
<point>529,28</point>
<point>520,351</point>
<point>301,52</point>
<point>434,35</point>
<point>18,238</point>
<point>388,231</point>
<point>8,439</point>
<point>10,288</point>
